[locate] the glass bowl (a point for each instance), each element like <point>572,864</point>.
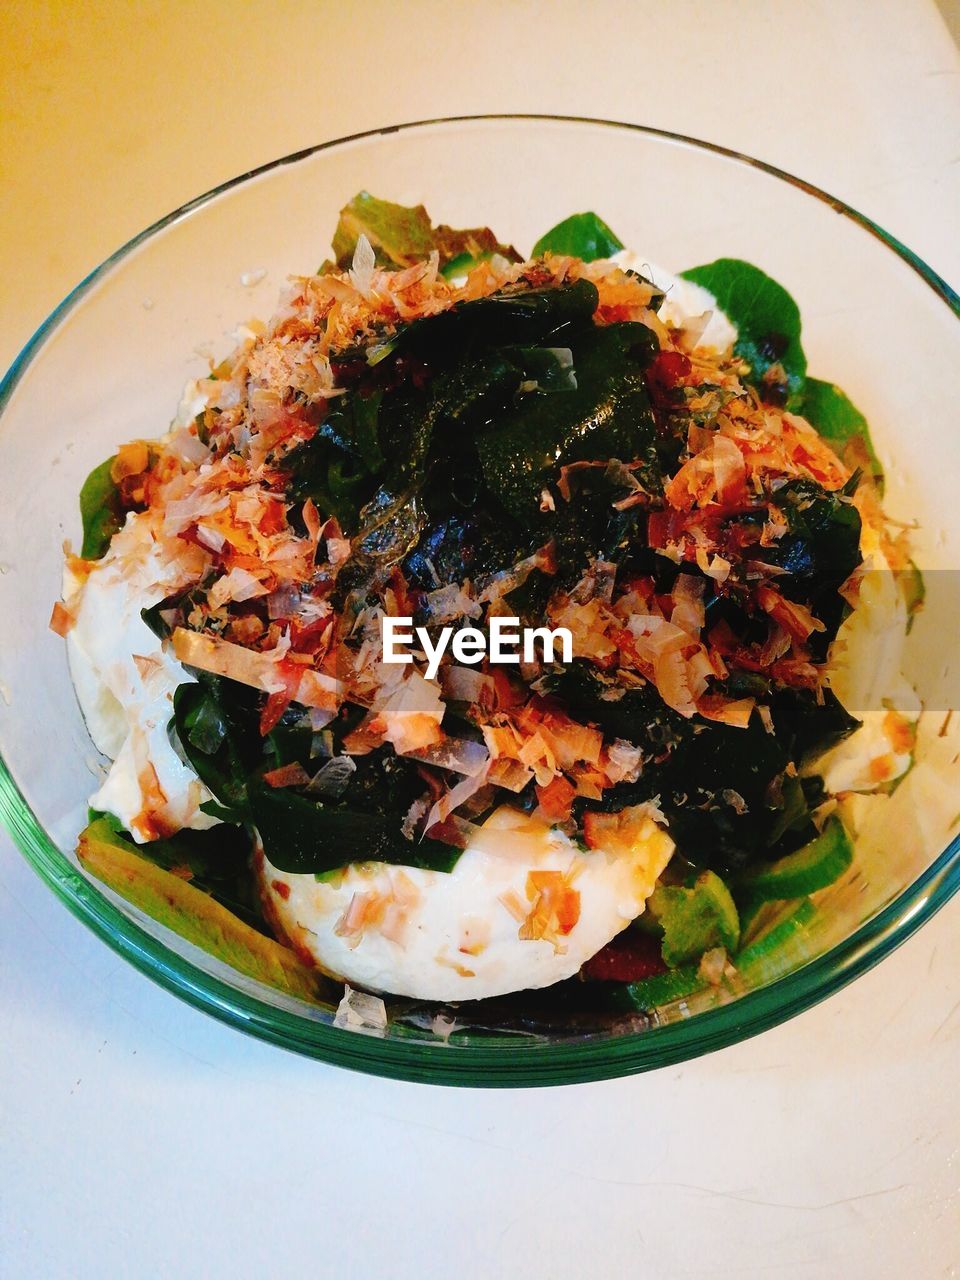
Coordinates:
<point>109,365</point>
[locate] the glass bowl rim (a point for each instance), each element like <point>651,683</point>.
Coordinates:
<point>502,1061</point>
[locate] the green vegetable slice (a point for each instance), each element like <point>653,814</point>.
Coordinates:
<point>780,947</point>
<point>191,913</point>
<point>662,988</point>
<point>813,867</point>
<point>402,235</point>
<point>755,914</point>
<point>582,235</point>
<point>462,264</point>
<point>695,919</point>
<point>766,317</point>
<point>100,510</point>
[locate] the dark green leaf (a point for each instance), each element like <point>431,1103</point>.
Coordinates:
<point>820,550</point>
<point>217,724</point>
<point>721,788</point>
<point>212,733</point>
<point>206,725</point>
<point>914,591</point>
<point>339,465</point>
<point>811,724</point>
<point>838,420</point>
<point>216,861</point>
<point>100,511</point>
<point>608,415</point>
<point>303,835</point>
<point>460,400</point>
<point>514,316</point>
<point>767,321</point>
<point>214,810</point>
<point>291,740</point>
<point>639,715</point>
<point>582,235</point>
<point>180,605</point>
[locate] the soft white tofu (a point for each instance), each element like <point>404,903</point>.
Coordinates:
<point>457,936</point>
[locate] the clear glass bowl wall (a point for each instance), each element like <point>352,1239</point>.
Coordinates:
<point>109,365</point>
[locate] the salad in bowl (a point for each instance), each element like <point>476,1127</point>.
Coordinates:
<point>494,639</point>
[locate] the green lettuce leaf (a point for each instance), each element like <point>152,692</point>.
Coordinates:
<point>402,235</point>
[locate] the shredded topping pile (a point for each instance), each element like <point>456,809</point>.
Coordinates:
<point>711,607</point>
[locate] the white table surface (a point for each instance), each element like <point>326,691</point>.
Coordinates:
<point>140,1138</point>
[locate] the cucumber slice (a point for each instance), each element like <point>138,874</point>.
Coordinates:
<point>695,919</point>
<point>461,264</point>
<point>662,988</point>
<point>813,867</point>
<point>781,947</point>
<point>758,915</point>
